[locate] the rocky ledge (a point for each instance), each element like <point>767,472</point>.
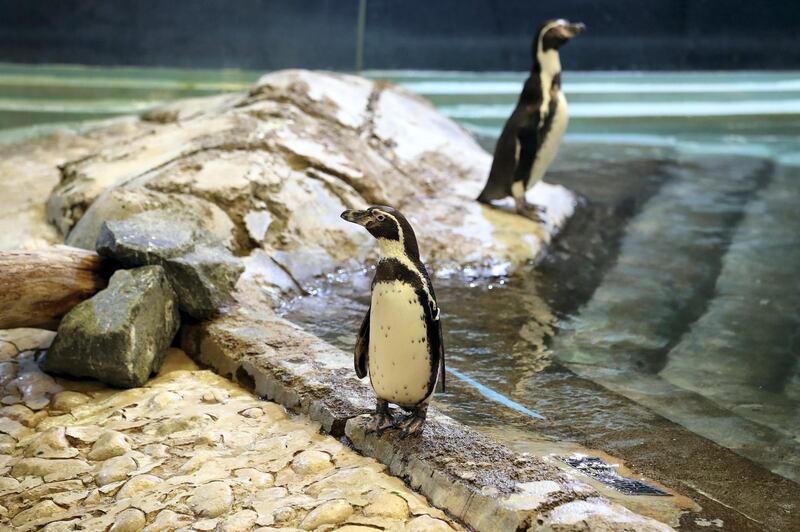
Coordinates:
<point>268,173</point>
<point>477,480</point>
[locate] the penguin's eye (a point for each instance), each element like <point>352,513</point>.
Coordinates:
<point>380,217</point>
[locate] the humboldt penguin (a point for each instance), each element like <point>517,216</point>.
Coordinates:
<point>533,132</point>
<point>400,340</point>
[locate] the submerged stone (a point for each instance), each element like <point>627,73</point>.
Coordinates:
<point>201,270</point>
<point>119,336</point>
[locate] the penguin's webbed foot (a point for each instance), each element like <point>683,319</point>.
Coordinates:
<point>382,419</point>
<point>413,424</point>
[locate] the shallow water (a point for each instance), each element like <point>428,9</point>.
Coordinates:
<point>675,285</point>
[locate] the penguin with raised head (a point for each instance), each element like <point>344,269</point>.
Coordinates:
<point>533,132</point>
<point>400,340</point>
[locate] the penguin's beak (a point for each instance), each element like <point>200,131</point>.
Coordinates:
<point>356,217</point>
<point>576,29</point>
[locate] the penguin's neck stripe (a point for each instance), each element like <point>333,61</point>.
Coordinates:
<point>396,250</point>
<point>549,67</point>
<point>549,61</point>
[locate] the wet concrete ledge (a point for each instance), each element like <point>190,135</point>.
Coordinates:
<point>475,479</point>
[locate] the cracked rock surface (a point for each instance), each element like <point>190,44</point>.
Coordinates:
<point>268,173</point>
<point>188,451</point>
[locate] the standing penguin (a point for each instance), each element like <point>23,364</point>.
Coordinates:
<point>533,132</point>
<point>400,340</point>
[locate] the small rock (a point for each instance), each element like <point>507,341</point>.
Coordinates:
<point>167,520</point>
<point>47,490</point>
<point>13,428</point>
<point>115,469</point>
<point>252,413</point>
<point>156,450</point>
<point>130,520</point>
<point>66,401</point>
<point>162,400</point>
<point>17,412</point>
<point>110,444</point>
<point>51,469</point>
<point>426,523</point>
<point>239,522</point>
<point>136,485</point>
<point>283,515</point>
<point>387,504</point>
<point>37,402</point>
<point>46,508</point>
<point>11,399</point>
<point>8,484</point>
<point>205,524</point>
<point>84,433</point>
<point>254,477</point>
<point>119,336</point>
<point>62,526</point>
<point>211,500</point>
<point>51,443</point>
<point>69,498</point>
<point>329,513</point>
<point>311,462</point>
<point>8,370</point>
<point>7,444</point>
<point>215,396</point>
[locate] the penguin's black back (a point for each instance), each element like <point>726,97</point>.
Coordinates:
<point>521,125</point>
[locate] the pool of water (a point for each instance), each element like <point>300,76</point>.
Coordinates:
<point>674,288</point>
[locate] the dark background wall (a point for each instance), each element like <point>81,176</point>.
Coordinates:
<point>416,34</point>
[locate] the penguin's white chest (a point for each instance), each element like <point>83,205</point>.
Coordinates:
<point>551,141</point>
<point>399,357</point>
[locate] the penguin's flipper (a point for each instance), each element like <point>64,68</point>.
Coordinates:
<point>440,385</point>
<point>362,347</point>
<point>528,139</point>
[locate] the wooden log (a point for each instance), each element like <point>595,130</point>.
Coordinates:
<point>38,287</point>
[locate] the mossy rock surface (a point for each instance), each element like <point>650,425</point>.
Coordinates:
<point>120,335</point>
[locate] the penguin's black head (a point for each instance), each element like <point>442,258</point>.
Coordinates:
<point>553,34</point>
<point>387,225</point>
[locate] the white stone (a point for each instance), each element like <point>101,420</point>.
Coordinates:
<point>115,469</point>
<point>255,478</point>
<point>328,513</point>
<point>67,400</point>
<point>130,520</point>
<point>46,508</point>
<point>387,504</point>
<point>110,444</point>
<point>137,485</point>
<point>50,469</point>
<point>167,520</point>
<point>311,462</point>
<point>242,521</point>
<point>211,500</point>
<point>51,443</point>
<point>426,523</point>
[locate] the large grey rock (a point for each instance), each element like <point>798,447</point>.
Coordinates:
<point>149,237</point>
<point>119,336</point>
<point>203,279</point>
<point>202,272</point>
